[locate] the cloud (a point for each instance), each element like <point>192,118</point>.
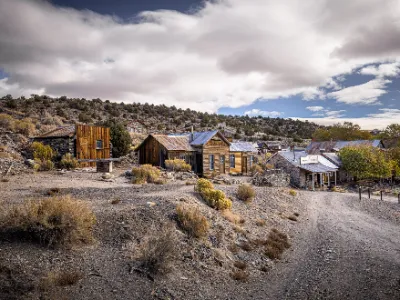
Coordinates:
<point>387,113</point>
<point>335,113</point>
<point>366,93</point>
<point>257,112</point>
<point>228,53</point>
<point>383,70</point>
<point>315,108</point>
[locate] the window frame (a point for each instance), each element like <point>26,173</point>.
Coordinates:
<point>211,158</point>
<point>232,160</point>
<point>97,144</point>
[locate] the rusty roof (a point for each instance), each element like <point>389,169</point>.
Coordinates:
<point>62,131</point>
<point>174,142</point>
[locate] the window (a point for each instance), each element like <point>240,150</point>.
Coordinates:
<point>251,158</point>
<point>211,161</point>
<point>232,160</point>
<point>99,144</point>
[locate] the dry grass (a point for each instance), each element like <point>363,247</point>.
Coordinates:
<point>232,217</point>
<point>61,278</point>
<point>145,174</point>
<point>178,165</point>
<point>192,221</point>
<point>276,244</point>
<point>240,265</point>
<point>159,251</point>
<point>261,222</point>
<point>246,192</point>
<point>52,221</point>
<point>53,191</point>
<point>239,275</point>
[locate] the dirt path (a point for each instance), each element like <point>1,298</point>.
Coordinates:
<point>344,253</point>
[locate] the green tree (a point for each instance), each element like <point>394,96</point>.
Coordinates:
<point>391,131</point>
<point>120,137</point>
<point>344,132</point>
<point>356,161</point>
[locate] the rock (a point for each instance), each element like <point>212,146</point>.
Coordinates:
<point>169,175</point>
<point>151,204</point>
<point>30,162</point>
<point>128,173</point>
<point>107,176</point>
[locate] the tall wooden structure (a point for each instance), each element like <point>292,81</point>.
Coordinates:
<point>82,141</point>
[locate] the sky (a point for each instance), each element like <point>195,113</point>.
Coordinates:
<point>321,60</point>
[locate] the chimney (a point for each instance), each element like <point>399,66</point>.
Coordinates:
<point>191,134</point>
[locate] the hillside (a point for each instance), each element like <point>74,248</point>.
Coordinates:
<point>48,112</point>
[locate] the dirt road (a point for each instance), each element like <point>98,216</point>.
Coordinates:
<point>348,250</point>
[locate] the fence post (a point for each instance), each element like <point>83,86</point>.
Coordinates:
<point>359,192</point>
<point>369,193</point>
<point>381,195</point>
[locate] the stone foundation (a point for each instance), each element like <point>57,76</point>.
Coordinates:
<point>104,166</point>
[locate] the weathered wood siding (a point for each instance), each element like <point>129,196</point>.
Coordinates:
<point>243,162</point>
<point>151,151</point>
<point>238,163</point>
<point>217,147</point>
<point>86,143</point>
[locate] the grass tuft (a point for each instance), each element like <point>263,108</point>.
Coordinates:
<point>246,192</point>
<point>192,221</point>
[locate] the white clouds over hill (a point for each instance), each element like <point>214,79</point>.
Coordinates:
<point>229,53</point>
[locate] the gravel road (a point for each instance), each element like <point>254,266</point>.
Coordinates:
<point>345,252</point>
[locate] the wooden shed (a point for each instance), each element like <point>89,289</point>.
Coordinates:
<point>82,141</point>
<point>241,157</point>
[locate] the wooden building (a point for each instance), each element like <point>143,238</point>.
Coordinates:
<point>241,157</point>
<point>207,152</point>
<point>82,141</point>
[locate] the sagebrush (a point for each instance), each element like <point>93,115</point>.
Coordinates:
<point>178,165</point>
<point>69,162</point>
<point>246,192</point>
<point>214,198</point>
<point>192,220</point>
<point>145,174</point>
<point>52,221</point>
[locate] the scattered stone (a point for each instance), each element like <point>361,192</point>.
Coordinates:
<point>272,178</point>
<point>107,176</point>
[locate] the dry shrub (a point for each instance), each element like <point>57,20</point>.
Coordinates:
<point>25,127</point>
<point>159,251</point>
<point>192,221</point>
<point>246,246</point>
<point>145,174</point>
<point>52,221</point>
<point>214,198</point>
<point>292,193</point>
<point>240,275</point>
<point>245,192</point>
<point>61,278</point>
<point>233,248</point>
<point>53,191</point>
<point>6,121</point>
<point>178,165</point>
<point>232,217</point>
<point>69,162</point>
<point>261,222</point>
<point>43,165</point>
<point>276,244</point>
<point>256,169</point>
<point>160,181</point>
<point>240,265</point>
<point>42,154</point>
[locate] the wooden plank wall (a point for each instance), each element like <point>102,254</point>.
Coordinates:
<point>149,152</point>
<point>86,138</point>
<point>217,147</point>
<point>238,163</point>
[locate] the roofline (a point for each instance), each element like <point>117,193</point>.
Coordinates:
<point>216,132</point>
<point>154,137</point>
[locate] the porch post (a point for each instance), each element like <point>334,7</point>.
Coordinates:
<point>313,182</point>
<point>321,179</point>
<point>329,180</point>
<point>335,178</point>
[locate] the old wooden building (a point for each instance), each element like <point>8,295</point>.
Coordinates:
<point>82,141</point>
<point>207,152</point>
<point>241,157</point>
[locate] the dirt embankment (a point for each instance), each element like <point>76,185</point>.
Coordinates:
<point>204,268</point>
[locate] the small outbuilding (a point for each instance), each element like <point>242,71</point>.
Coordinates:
<point>306,171</point>
<point>82,141</point>
<point>241,157</point>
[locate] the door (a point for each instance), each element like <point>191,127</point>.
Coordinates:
<point>199,163</point>
<point>244,165</point>
<point>222,164</point>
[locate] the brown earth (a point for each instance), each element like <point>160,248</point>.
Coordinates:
<point>341,248</point>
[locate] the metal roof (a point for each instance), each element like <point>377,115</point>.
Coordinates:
<point>174,142</point>
<point>323,165</point>
<point>63,131</point>
<point>201,138</point>
<point>242,147</point>
<point>315,147</point>
<point>333,157</point>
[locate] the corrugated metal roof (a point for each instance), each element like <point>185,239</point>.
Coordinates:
<point>62,131</point>
<point>323,165</point>
<point>242,147</point>
<point>174,142</point>
<point>315,147</point>
<point>201,138</point>
<point>333,157</point>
